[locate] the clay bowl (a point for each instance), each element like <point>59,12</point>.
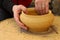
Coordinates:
<point>37,23</point>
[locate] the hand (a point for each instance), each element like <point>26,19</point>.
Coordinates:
<point>16,10</point>
<point>42,6</point>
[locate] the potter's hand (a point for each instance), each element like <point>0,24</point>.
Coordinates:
<point>42,6</point>
<point>16,10</point>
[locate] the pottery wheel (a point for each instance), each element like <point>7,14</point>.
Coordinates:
<point>9,30</point>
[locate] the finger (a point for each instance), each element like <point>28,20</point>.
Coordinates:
<point>43,6</point>
<point>37,7</point>
<point>47,7</point>
<point>16,17</point>
<point>25,27</point>
<point>23,8</point>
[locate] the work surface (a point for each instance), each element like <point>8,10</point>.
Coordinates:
<point>9,30</point>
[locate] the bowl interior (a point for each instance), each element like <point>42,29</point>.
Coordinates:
<point>32,11</point>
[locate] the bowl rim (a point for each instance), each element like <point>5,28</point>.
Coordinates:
<point>36,15</point>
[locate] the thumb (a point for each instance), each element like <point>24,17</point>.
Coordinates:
<point>23,8</point>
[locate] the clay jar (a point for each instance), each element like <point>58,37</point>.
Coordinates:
<point>37,23</point>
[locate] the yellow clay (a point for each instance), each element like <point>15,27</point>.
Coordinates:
<point>37,23</point>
